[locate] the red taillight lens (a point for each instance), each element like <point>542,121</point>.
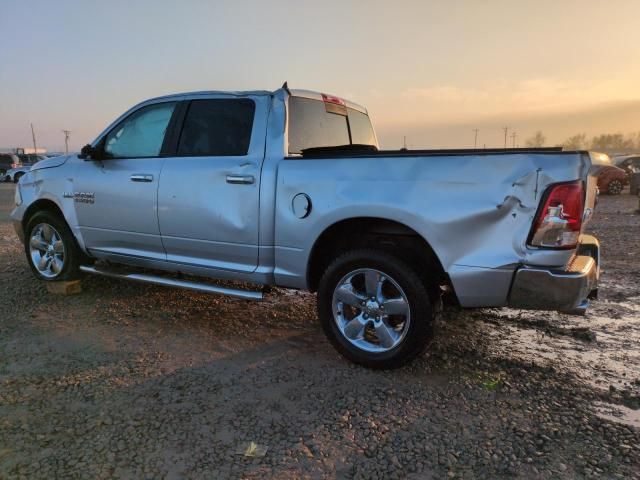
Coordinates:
<point>559,220</point>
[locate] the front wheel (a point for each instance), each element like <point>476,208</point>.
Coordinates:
<point>375,309</point>
<point>51,249</point>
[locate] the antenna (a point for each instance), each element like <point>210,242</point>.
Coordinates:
<point>67,133</point>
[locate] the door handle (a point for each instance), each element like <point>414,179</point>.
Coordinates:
<point>240,179</point>
<point>141,177</point>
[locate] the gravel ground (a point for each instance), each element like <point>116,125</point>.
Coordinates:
<point>133,381</point>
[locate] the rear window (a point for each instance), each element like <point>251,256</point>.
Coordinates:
<point>219,127</point>
<point>314,123</point>
<point>361,129</point>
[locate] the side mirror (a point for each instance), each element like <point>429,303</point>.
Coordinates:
<point>89,153</point>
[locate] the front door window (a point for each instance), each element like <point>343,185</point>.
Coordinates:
<point>140,134</point>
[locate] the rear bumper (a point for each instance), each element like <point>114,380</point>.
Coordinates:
<point>559,289</point>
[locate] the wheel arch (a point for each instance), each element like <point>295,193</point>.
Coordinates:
<point>373,232</point>
<point>42,204</point>
<point>49,205</point>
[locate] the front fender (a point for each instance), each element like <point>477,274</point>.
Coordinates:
<point>47,186</point>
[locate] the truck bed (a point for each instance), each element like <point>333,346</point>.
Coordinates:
<point>369,151</point>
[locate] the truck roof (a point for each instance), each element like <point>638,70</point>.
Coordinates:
<point>243,93</point>
<point>295,92</point>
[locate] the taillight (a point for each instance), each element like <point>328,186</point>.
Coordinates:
<point>559,219</point>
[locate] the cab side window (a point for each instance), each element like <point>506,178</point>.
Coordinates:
<point>140,134</point>
<point>217,127</point>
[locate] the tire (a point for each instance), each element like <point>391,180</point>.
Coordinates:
<point>366,333</point>
<point>615,187</point>
<point>61,260</point>
<point>16,177</point>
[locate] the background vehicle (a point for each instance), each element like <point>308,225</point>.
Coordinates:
<point>623,161</point>
<point>7,162</point>
<point>612,180</point>
<point>629,163</point>
<point>30,158</point>
<point>14,174</point>
<point>289,188</point>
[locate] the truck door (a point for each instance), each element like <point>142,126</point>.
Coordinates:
<point>208,198</point>
<point>116,198</point>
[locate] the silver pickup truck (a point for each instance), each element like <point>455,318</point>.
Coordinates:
<point>289,188</point>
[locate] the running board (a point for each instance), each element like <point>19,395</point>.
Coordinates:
<point>172,282</point>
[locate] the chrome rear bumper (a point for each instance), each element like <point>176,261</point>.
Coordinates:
<point>565,289</point>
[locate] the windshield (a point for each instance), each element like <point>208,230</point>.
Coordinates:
<point>314,123</point>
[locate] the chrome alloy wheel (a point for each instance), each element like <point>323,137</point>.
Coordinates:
<point>371,310</point>
<point>47,250</point>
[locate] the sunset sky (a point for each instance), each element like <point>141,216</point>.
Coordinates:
<point>430,70</point>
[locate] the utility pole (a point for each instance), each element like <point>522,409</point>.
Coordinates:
<point>66,141</point>
<point>33,135</point>
<point>404,142</point>
<point>475,140</point>
<point>506,129</point>
<point>514,135</point>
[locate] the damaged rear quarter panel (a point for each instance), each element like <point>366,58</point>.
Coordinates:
<point>474,210</point>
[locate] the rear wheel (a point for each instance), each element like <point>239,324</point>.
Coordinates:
<point>615,187</point>
<point>51,248</point>
<point>375,309</point>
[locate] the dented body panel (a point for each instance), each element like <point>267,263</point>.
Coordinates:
<point>475,209</point>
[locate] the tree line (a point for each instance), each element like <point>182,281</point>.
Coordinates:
<point>580,141</point>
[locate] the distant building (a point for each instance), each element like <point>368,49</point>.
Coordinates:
<point>26,150</point>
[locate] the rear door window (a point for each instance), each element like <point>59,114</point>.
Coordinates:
<point>217,127</point>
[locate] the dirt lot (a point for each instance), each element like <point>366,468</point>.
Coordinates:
<point>127,380</point>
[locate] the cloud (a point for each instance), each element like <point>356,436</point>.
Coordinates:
<point>446,93</point>
<point>456,103</point>
<point>607,117</point>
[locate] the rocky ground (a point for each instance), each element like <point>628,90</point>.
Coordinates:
<point>127,380</point>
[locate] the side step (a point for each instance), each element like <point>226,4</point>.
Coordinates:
<point>172,282</point>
